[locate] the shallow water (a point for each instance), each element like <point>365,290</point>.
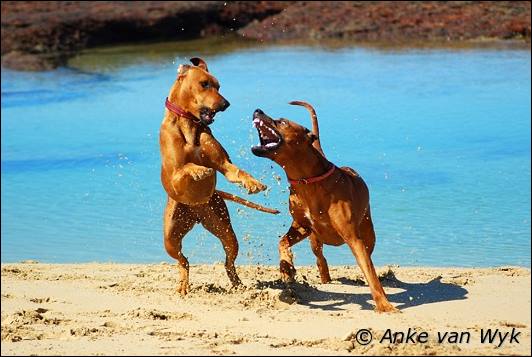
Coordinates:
<point>442,138</point>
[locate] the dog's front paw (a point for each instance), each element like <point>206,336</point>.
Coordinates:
<point>253,186</point>
<point>199,173</point>
<point>183,288</point>
<point>288,272</point>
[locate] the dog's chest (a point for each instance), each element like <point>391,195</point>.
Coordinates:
<point>193,153</point>
<point>309,216</point>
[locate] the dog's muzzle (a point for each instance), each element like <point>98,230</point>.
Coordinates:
<point>269,138</point>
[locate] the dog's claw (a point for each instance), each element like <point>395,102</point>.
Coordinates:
<point>254,186</point>
<point>201,173</point>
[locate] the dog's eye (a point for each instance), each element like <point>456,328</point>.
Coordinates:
<point>205,84</point>
<point>283,122</point>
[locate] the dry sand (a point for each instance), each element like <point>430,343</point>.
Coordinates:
<point>51,309</point>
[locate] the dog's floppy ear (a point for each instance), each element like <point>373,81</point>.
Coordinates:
<point>196,61</point>
<point>182,69</point>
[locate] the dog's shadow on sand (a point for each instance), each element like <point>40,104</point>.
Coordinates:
<point>413,294</point>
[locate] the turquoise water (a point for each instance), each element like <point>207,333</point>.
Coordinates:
<point>442,138</point>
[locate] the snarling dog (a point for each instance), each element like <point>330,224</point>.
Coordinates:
<point>191,156</point>
<point>328,204</point>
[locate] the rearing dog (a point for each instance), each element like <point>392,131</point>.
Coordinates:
<point>330,205</point>
<point>190,158</point>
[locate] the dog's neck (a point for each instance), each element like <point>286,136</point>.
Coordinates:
<point>180,97</point>
<point>315,165</point>
<point>190,129</point>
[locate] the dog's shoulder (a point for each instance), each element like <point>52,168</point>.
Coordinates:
<point>350,171</point>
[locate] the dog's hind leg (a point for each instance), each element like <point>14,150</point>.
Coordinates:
<point>366,231</point>
<point>294,235</point>
<point>214,216</point>
<point>317,249</point>
<point>177,223</point>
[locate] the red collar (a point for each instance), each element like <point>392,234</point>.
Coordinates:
<point>177,110</point>
<point>305,181</point>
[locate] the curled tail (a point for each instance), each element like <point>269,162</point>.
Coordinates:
<point>314,118</point>
<point>231,197</point>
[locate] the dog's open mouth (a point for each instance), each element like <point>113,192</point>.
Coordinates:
<point>269,138</point>
<point>207,115</point>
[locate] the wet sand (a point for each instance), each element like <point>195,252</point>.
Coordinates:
<point>73,309</point>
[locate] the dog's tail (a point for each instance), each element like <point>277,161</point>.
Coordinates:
<point>314,118</point>
<point>231,197</point>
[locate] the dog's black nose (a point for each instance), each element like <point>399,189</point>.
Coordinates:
<point>258,111</point>
<point>225,105</point>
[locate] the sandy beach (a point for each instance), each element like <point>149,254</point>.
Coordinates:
<point>52,309</point>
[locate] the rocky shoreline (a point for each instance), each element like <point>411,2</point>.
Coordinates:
<point>44,35</point>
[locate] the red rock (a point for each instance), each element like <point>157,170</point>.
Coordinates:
<point>51,31</point>
<point>54,30</point>
<point>391,21</point>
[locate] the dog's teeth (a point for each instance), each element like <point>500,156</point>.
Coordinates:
<point>269,145</point>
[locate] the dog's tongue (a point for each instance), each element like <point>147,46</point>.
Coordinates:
<point>267,134</point>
